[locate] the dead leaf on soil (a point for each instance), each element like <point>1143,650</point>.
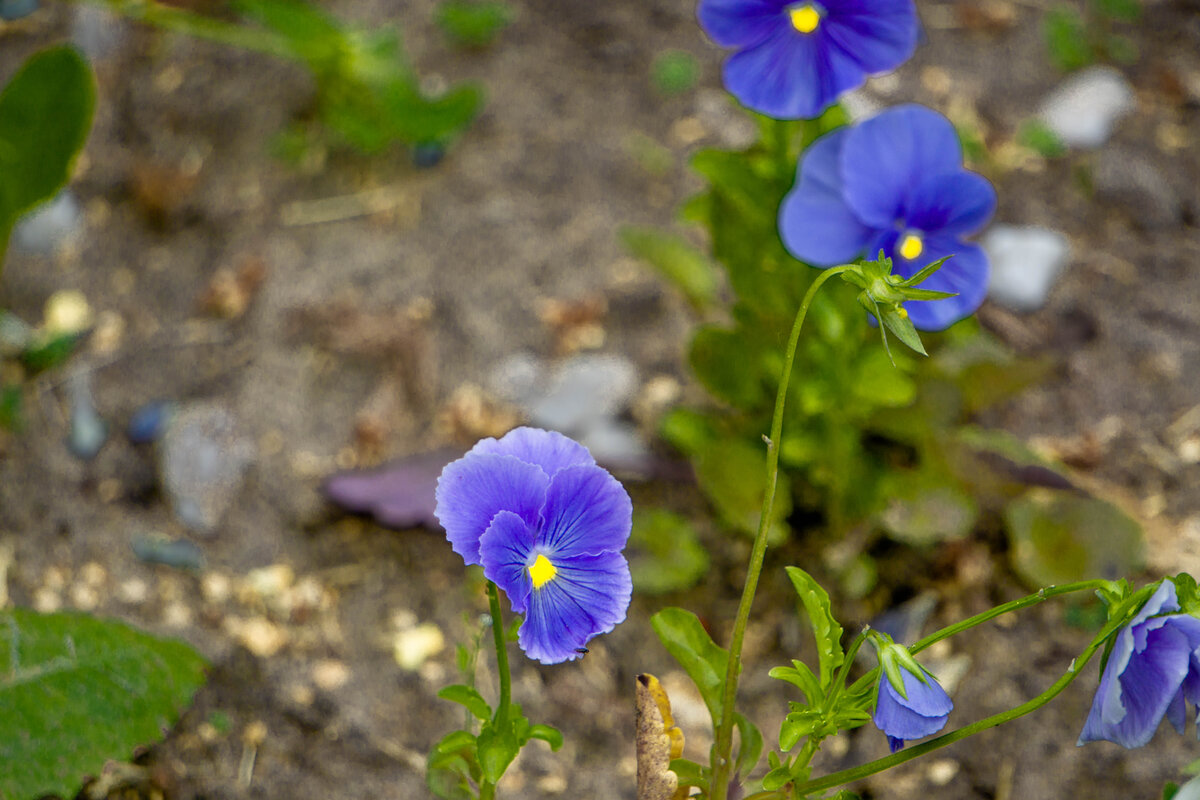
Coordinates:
<point>658,741</point>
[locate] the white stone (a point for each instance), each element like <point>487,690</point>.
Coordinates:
<point>1083,109</point>
<point>584,390</point>
<point>50,225</point>
<point>1025,263</point>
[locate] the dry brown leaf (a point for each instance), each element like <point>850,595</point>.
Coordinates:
<point>658,741</point>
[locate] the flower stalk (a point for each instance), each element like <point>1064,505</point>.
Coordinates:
<point>722,760</point>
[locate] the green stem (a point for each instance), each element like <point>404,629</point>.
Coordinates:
<point>721,761</point>
<point>501,652</point>
<point>487,789</point>
<point>1077,664</point>
<point>177,20</point>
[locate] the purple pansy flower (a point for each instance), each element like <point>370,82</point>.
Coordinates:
<point>922,712</point>
<point>548,526</point>
<point>1152,669</point>
<point>794,59</point>
<point>895,183</point>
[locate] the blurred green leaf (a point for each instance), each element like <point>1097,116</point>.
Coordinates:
<point>688,643</point>
<point>1067,39</point>
<point>751,744</point>
<point>1039,138</point>
<point>1058,537</point>
<point>674,71</point>
<point>497,745</point>
<point>923,512</point>
<point>675,259</point>
<point>11,416</point>
<point>45,115</point>
<point>720,361</point>
<point>731,472</point>
<point>451,765</point>
<point>665,554</point>
<point>472,24</point>
<point>77,692</point>
<point>1120,10</point>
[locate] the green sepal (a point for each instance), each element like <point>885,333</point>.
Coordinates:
<point>924,273</point>
<point>927,294</point>
<point>902,328</point>
<point>467,697</point>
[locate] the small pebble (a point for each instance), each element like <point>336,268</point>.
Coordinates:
<point>93,574</point>
<point>414,646</point>
<point>330,674</point>
<point>133,591</point>
<point>1084,108</point>
<point>51,225</point>
<point>1026,261</point>
<point>15,334</point>
<point>177,553</point>
<point>15,9</point>
<point>88,431</point>
<point>428,154</point>
<point>202,462</point>
<point>267,582</point>
<point>259,635</point>
<point>150,421</point>
<point>46,601</point>
<point>177,615</point>
<point>215,587</point>
<point>942,771</point>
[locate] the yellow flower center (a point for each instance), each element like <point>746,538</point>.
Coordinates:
<point>911,246</point>
<point>541,571</point>
<point>805,18</point>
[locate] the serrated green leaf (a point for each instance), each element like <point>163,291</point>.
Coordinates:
<point>797,725</point>
<point>45,115</point>
<point>686,640</point>
<point>676,259</point>
<point>777,778</point>
<point>78,691</point>
<point>800,676</point>
<point>467,697</point>
<point>826,630</point>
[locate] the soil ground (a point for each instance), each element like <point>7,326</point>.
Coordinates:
<point>452,271</point>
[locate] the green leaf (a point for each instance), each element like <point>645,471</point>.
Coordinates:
<point>77,692</point>
<point>800,676</point>
<point>826,629</point>
<point>1041,139</point>
<point>705,663</point>
<point>690,773</point>
<point>675,259</point>
<point>751,744</point>
<point>777,778</point>
<point>497,745</point>
<point>469,698</point>
<point>1067,39</point>
<point>549,735</point>
<point>665,555</point>
<point>721,360</point>
<point>902,328</point>
<point>674,71</point>
<point>451,766</point>
<point>797,725</point>
<point>472,24</point>
<point>45,114</point>
<point>1058,537</point>
<point>1120,10</point>
<point>730,472</point>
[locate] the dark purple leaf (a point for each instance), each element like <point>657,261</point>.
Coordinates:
<point>398,495</point>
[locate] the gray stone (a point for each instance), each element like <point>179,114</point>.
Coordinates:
<point>518,379</point>
<point>1084,108</point>
<point>1025,261</point>
<point>617,446</point>
<point>50,225</point>
<point>1128,181</point>
<point>584,390</point>
<point>202,462</point>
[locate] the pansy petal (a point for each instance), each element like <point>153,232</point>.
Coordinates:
<point>504,552</point>
<point>741,23</point>
<point>879,34</point>
<point>550,450</point>
<point>966,274</point>
<point>474,488</point>
<point>887,156</point>
<point>1147,686</point>
<point>587,512</point>
<point>815,224</point>
<point>953,204</point>
<point>923,712</point>
<point>1177,712</point>
<point>789,75</point>
<point>586,597</point>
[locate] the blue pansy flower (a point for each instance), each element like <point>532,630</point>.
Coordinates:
<point>895,183</point>
<point>1152,669</point>
<point>794,59</point>
<point>548,527</point>
<point>920,710</point>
